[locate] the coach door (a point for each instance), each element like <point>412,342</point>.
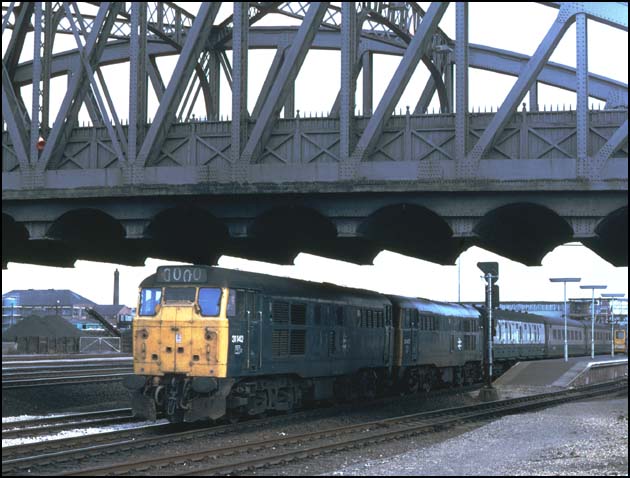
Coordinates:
<point>253,326</point>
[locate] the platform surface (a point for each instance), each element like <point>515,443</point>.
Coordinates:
<point>553,372</point>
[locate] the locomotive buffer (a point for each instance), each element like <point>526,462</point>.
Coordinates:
<point>491,273</point>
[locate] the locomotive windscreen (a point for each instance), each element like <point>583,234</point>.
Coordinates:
<point>149,299</point>
<point>179,294</point>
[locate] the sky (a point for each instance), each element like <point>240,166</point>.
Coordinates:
<point>511,26</point>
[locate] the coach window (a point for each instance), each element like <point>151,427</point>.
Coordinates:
<point>210,301</point>
<point>149,299</point>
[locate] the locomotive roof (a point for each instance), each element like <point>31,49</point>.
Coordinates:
<point>447,309</point>
<point>237,279</point>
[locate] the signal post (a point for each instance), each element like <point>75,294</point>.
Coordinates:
<point>491,275</point>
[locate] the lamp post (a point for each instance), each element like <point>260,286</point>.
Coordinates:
<point>593,287</point>
<point>611,296</point>
<point>565,280</point>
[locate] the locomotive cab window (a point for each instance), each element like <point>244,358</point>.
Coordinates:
<point>210,301</point>
<point>149,299</point>
<point>179,294</point>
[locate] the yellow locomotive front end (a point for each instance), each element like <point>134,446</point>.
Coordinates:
<point>181,330</point>
<point>180,346</point>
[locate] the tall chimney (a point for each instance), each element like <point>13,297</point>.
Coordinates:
<point>116,286</point>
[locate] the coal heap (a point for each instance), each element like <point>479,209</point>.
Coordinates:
<point>36,326</point>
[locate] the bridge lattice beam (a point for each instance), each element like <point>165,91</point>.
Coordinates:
<point>186,63</point>
<point>415,51</point>
<point>523,83</point>
<point>616,141</point>
<point>16,123</point>
<point>69,110</point>
<point>288,72</point>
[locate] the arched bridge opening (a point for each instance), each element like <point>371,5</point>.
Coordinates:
<point>187,234</point>
<point>14,239</point>
<point>90,234</point>
<point>611,242</point>
<point>413,230</point>
<point>281,233</point>
<point>524,232</point>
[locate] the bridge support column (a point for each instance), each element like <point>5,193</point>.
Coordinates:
<point>135,228</point>
<point>238,229</point>
<point>347,227</point>
<point>368,83</point>
<point>349,29</point>
<point>462,226</point>
<point>583,227</point>
<point>583,163</point>
<point>463,168</point>
<point>37,229</point>
<point>239,91</point>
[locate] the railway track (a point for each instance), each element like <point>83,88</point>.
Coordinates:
<point>40,373</point>
<point>64,380</point>
<point>43,426</point>
<point>44,456</point>
<point>56,357</point>
<point>239,458</point>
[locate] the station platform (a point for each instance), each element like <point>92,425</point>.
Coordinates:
<point>558,373</point>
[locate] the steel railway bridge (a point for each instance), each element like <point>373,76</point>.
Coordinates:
<point>270,181</point>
